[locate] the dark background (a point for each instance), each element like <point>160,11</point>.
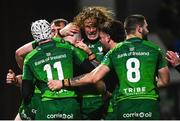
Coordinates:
<point>17,16</point>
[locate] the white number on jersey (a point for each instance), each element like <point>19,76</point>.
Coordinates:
<point>133,70</point>
<point>58,67</point>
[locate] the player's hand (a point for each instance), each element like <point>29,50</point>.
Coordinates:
<point>69,30</point>
<point>173,58</point>
<point>11,77</point>
<point>83,46</point>
<point>55,85</point>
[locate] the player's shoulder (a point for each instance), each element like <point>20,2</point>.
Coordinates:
<point>59,40</point>
<point>64,44</point>
<point>117,47</point>
<point>30,55</point>
<point>61,43</point>
<point>151,44</point>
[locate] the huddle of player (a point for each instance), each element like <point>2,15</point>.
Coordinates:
<point>92,68</point>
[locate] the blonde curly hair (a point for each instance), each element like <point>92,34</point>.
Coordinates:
<point>101,14</point>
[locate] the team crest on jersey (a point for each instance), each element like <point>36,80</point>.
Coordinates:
<point>131,49</point>
<point>48,54</point>
<point>100,49</point>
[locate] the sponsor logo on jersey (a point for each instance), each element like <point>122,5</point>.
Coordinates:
<point>135,91</point>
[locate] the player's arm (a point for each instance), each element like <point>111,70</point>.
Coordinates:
<point>22,51</point>
<point>91,55</point>
<point>93,77</point>
<point>86,66</point>
<point>28,85</point>
<point>69,29</point>
<point>83,46</point>
<point>19,55</point>
<point>27,90</point>
<point>163,77</point>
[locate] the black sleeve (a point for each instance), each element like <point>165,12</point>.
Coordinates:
<point>178,68</point>
<point>87,66</point>
<point>27,90</point>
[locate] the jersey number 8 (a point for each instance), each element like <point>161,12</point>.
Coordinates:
<point>133,73</point>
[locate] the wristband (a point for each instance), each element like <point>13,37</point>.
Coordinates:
<point>66,83</point>
<point>69,82</point>
<point>63,83</point>
<point>90,54</point>
<point>91,57</point>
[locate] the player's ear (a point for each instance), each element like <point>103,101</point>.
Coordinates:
<point>139,29</point>
<point>108,38</point>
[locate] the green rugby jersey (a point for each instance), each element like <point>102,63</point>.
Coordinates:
<point>52,61</point>
<point>97,48</point>
<point>136,63</point>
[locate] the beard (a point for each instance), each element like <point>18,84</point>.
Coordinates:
<point>144,35</point>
